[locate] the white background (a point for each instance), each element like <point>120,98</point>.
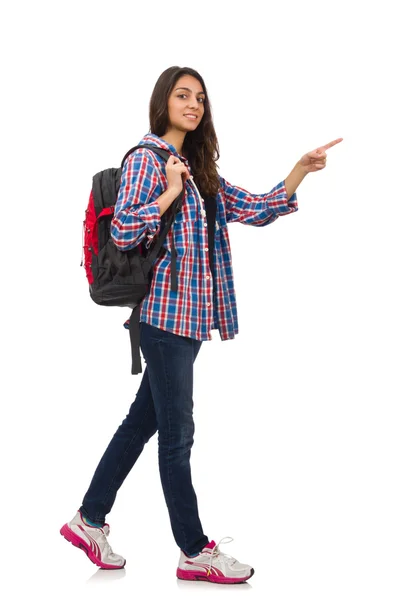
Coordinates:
<point>295,444</point>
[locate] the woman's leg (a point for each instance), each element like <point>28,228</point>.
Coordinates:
<point>169,360</point>
<point>121,454</point>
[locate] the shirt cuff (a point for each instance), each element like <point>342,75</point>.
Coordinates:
<point>150,215</point>
<point>278,200</point>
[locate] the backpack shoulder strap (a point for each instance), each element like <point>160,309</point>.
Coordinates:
<point>160,151</point>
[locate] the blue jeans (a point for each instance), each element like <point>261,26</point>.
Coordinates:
<point>163,403</point>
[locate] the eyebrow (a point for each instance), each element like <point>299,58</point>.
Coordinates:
<point>189,90</point>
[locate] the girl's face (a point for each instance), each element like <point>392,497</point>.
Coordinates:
<point>186,104</point>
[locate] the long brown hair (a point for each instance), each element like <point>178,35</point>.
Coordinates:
<point>200,147</point>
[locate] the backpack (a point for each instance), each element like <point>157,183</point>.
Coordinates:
<point>115,277</point>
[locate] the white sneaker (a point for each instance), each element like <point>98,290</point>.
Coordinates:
<point>213,565</point>
<point>93,541</point>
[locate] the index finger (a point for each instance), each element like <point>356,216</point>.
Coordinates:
<point>332,143</point>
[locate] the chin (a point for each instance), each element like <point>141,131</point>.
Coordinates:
<point>191,127</point>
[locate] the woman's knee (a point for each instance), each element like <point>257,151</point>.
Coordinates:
<point>177,439</point>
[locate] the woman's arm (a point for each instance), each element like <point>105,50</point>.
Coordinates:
<point>140,202</point>
<point>256,209</point>
<point>134,217</point>
<point>294,179</point>
<point>262,209</point>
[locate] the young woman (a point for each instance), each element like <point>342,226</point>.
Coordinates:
<point>173,324</point>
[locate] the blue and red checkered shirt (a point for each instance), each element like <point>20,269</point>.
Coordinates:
<point>202,302</point>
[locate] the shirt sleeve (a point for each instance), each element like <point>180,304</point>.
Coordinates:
<point>257,209</point>
<point>137,212</point>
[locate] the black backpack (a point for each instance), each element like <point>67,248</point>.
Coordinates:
<point>115,277</point>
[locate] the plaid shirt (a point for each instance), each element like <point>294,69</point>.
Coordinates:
<point>202,303</point>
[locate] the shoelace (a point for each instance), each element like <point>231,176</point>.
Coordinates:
<point>216,552</point>
<point>105,533</point>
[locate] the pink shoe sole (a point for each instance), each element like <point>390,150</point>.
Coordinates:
<point>199,576</point>
<point>79,543</point>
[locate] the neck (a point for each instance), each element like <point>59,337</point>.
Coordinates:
<point>176,138</point>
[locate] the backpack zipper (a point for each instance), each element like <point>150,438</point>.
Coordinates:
<point>82,246</point>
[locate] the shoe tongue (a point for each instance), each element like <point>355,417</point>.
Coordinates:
<point>211,545</point>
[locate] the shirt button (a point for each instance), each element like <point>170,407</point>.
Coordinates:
<point>205,224</point>
<point>206,249</point>
<point>208,303</point>
<point>208,276</point>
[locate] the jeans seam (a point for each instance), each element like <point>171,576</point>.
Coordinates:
<point>169,448</point>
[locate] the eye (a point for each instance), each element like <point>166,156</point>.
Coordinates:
<point>201,100</point>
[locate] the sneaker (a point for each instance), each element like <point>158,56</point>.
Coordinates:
<point>213,565</point>
<point>93,541</point>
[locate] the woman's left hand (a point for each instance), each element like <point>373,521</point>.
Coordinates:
<point>316,160</point>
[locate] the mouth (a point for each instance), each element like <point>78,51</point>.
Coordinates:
<point>191,117</point>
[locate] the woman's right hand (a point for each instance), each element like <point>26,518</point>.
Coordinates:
<point>177,174</point>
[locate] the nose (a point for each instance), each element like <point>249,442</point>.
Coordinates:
<point>193,103</point>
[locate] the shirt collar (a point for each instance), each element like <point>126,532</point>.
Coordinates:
<point>151,138</point>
